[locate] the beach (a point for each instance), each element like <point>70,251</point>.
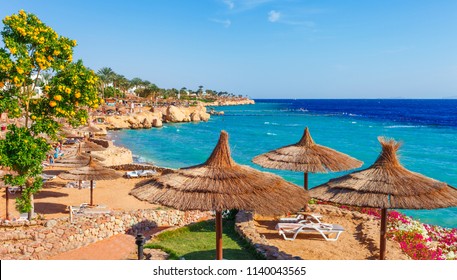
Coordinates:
<point>360,239</point>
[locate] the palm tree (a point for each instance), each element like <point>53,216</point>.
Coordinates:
<point>124,85</point>
<point>106,76</point>
<point>200,90</point>
<point>117,80</point>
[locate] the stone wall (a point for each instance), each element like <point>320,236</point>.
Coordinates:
<point>245,227</point>
<point>43,239</point>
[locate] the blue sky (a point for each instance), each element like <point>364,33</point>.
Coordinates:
<point>267,48</point>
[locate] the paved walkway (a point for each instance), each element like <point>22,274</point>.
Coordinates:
<point>117,247</point>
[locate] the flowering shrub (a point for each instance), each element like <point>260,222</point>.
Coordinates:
<point>419,241</point>
<point>31,50</point>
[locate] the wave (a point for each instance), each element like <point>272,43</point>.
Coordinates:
<point>271,134</point>
<point>402,126</point>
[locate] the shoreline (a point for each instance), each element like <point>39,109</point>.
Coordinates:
<point>148,117</point>
<point>350,219</point>
<point>104,192</point>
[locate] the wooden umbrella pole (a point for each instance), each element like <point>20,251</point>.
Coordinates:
<point>91,192</point>
<point>382,246</point>
<point>7,202</point>
<point>306,181</point>
<point>218,235</point>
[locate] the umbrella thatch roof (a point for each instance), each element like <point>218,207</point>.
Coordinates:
<point>220,184</point>
<point>76,160</point>
<point>307,156</point>
<point>70,134</point>
<point>91,128</point>
<point>387,184</point>
<point>92,171</point>
<point>88,146</point>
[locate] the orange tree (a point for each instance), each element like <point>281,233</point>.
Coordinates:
<point>31,48</point>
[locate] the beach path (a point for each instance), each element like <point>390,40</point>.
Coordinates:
<point>116,247</point>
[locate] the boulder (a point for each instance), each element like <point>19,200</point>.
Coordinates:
<point>157,123</point>
<point>174,114</point>
<point>146,123</point>
<point>195,117</point>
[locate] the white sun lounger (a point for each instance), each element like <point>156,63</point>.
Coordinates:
<point>147,173</point>
<point>312,217</point>
<point>47,176</point>
<point>321,228</point>
<point>84,209</point>
<point>13,190</point>
<point>132,174</point>
<point>292,219</point>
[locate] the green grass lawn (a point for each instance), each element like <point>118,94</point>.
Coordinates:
<point>198,242</point>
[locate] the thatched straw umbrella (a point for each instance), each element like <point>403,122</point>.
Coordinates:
<point>70,134</point>
<point>88,146</point>
<point>220,184</point>
<point>91,129</point>
<point>91,172</point>
<point>387,184</point>
<point>308,157</point>
<point>78,159</point>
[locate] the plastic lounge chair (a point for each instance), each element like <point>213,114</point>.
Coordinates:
<point>71,185</point>
<point>321,228</point>
<point>23,217</point>
<point>292,219</point>
<point>47,176</point>
<point>13,190</point>
<point>146,173</point>
<point>86,184</point>
<point>132,174</point>
<point>311,217</point>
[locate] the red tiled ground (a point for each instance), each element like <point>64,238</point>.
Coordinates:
<point>117,247</point>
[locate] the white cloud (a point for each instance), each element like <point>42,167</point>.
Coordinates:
<point>226,23</point>
<point>273,16</point>
<point>230,4</point>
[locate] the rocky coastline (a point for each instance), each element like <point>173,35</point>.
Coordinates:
<point>157,116</point>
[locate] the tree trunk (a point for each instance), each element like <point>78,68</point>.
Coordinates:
<point>218,235</point>
<point>382,247</point>
<point>32,208</point>
<point>7,204</point>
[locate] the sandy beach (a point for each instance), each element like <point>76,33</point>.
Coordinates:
<point>54,198</point>
<point>360,241</point>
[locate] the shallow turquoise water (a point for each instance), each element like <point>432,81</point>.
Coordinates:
<point>255,129</point>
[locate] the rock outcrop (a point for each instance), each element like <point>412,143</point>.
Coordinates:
<point>174,114</point>
<point>138,120</point>
<point>156,116</point>
<point>114,155</point>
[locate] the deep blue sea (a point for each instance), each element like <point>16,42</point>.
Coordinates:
<point>427,129</point>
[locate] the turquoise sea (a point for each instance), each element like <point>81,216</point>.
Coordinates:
<point>428,130</point>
